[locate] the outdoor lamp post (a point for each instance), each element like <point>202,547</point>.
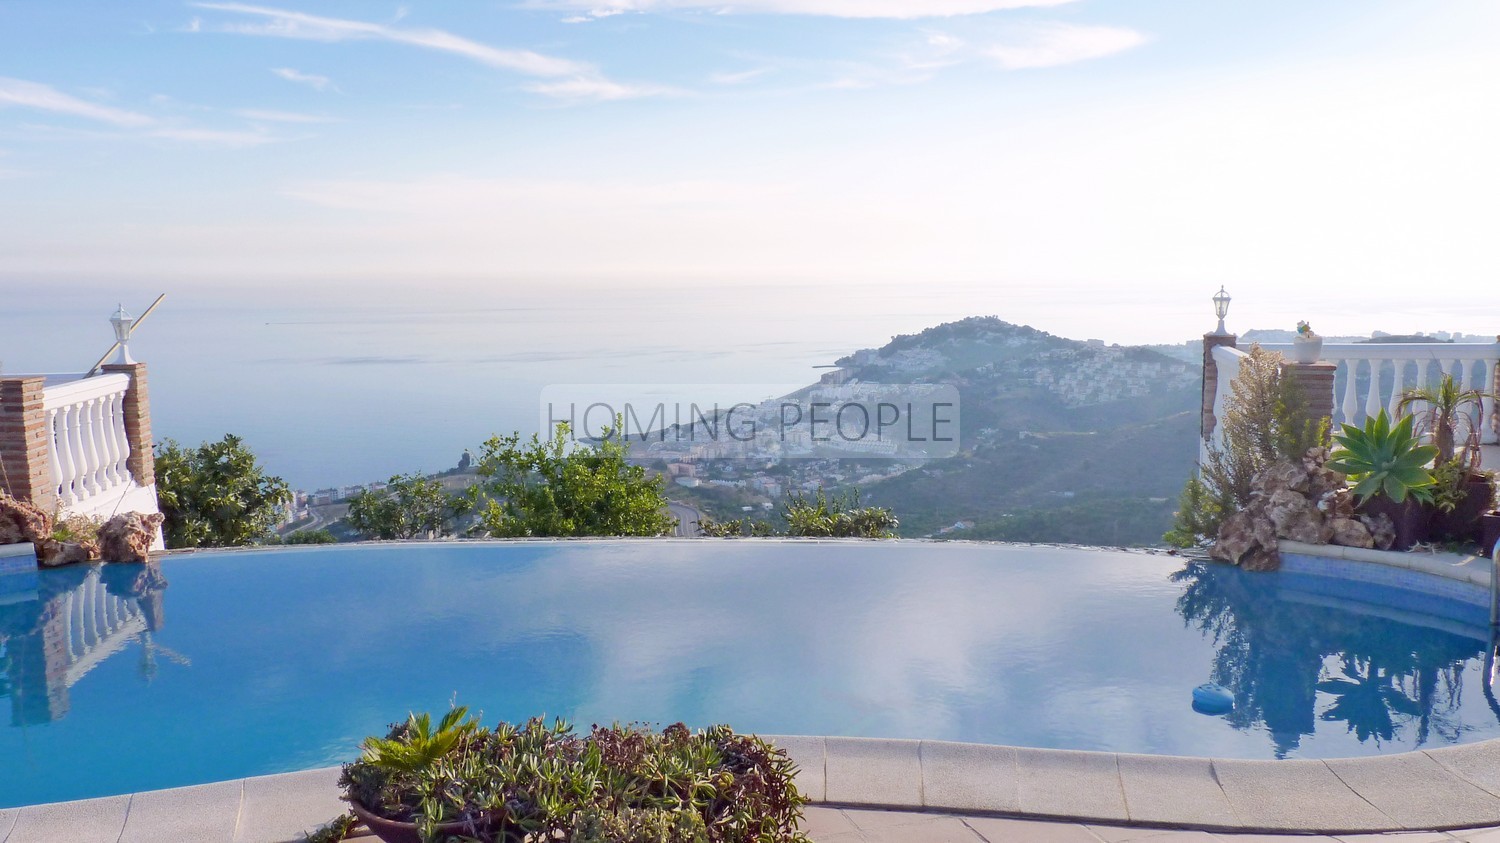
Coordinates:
<point>1221,307</point>
<point>123,323</point>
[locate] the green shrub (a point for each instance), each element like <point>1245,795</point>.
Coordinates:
<point>623,784</point>
<point>215,495</point>
<point>557,488</point>
<point>310,537</point>
<point>411,506</point>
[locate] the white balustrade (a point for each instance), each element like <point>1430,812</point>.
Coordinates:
<point>1227,362</point>
<point>86,418</point>
<point>1372,376</point>
<point>95,625</point>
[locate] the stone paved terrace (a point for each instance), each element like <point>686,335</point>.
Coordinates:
<point>851,825</point>
<point>874,790</point>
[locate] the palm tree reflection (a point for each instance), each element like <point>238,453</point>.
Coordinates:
<point>1293,660</point>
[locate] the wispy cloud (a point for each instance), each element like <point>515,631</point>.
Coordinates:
<point>311,80</point>
<point>127,124</point>
<point>899,9</point>
<point>593,88</point>
<point>1054,44</point>
<point>269,116</point>
<point>739,77</point>
<point>593,15</point>
<point>446,194</point>
<point>213,137</point>
<point>578,81</point>
<point>283,23</point>
<point>19,92</point>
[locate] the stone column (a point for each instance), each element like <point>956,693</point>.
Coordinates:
<point>142,459</point>
<point>26,443</point>
<point>1211,381</point>
<point>1315,382</point>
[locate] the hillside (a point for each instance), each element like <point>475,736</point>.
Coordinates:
<point>1061,440</point>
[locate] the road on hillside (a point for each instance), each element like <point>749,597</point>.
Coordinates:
<point>687,518</point>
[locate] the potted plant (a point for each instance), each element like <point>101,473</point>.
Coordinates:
<point>1489,530</point>
<point>534,782</point>
<point>1307,346</point>
<point>1462,492</point>
<point>1388,468</point>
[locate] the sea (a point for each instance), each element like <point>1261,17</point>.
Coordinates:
<point>335,383</point>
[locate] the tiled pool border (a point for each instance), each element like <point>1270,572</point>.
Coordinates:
<point>1425,790</point>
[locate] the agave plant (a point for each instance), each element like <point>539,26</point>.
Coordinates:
<point>1380,458</point>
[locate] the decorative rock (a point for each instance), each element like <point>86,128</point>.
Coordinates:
<point>1382,530</point>
<point>1262,559</point>
<point>1248,539</point>
<point>1351,533</point>
<point>1280,477</point>
<point>1236,538</point>
<point>22,522</point>
<point>1297,518</point>
<point>1335,504</point>
<point>128,537</point>
<point>51,553</point>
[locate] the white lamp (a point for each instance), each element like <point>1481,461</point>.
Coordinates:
<point>123,323</point>
<point>1221,307</point>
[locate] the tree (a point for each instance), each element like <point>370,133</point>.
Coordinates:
<point>215,495</point>
<point>1445,404</point>
<point>1265,421</point>
<point>539,488</point>
<point>411,506</point>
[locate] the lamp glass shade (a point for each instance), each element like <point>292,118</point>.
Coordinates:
<point>1221,303</point>
<point>122,323</point>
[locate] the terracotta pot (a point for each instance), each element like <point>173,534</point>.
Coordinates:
<point>1462,524</point>
<point>395,831</point>
<point>1409,517</point>
<point>1489,530</point>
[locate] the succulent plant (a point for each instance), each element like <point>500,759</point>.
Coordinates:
<point>1384,459</point>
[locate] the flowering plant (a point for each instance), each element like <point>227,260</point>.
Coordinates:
<point>1305,330</point>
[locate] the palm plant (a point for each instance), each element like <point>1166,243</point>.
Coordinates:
<point>1446,404</point>
<point>1381,458</point>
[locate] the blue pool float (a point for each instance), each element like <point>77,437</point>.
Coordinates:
<point>1209,698</point>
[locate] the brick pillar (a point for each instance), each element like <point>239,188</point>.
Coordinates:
<point>142,459</point>
<point>1211,380</point>
<point>1315,382</point>
<point>25,443</point>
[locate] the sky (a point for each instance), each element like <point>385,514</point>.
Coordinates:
<point>1118,160</point>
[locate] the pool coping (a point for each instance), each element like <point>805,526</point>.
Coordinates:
<point>1424,790</point>
<point>1438,789</point>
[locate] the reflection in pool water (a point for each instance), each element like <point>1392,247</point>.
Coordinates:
<point>1293,664</point>
<point>53,634</point>
<point>296,655</point>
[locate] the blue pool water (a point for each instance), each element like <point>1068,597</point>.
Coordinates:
<point>221,665</point>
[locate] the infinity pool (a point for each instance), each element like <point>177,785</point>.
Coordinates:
<point>222,665</point>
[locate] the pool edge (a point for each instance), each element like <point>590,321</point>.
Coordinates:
<point>1424,790</point>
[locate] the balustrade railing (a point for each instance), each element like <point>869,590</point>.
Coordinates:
<point>1227,361</point>
<point>1373,376</point>
<point>86,419</point>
